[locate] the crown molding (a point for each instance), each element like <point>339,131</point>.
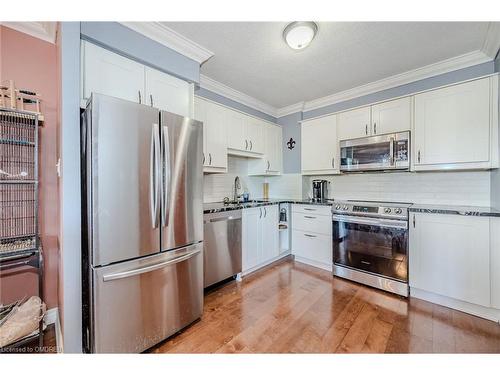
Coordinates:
<point>492,41</point>
<point>226,91</point>
<point>288,110</point>
<point>42,30</point>
<point>441,67</point>
<point>171,39</point>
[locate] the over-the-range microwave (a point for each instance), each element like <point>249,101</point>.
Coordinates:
<point>376,153</point>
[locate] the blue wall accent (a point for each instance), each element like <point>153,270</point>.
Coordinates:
<point>408,89</point>
<point>233,104</point>
<point>291,129</point>
<point>70,241</point>
<point>126,42</point>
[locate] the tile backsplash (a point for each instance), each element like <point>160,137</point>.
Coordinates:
<point>454,188</point>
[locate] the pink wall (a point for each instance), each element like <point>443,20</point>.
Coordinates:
<point>33,64</point>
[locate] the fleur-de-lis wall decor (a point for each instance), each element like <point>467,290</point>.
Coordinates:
<point>291,144</point>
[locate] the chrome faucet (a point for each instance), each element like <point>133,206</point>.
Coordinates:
<point>237,186</point>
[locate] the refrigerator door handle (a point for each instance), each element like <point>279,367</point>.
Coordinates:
<point>153,176</point>
<point>166,176</point>
<point>138,271</point>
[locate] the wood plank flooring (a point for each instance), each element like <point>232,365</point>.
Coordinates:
<point>290,307</point>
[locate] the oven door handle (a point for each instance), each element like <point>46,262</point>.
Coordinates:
<point>400,224</point>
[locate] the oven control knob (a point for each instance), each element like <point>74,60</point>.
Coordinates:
<point>337,207</point>
<point>398,211</point>
<point>387,210</point>
<point>345,208</point>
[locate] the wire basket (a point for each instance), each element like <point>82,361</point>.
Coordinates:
<point>18,152</point>
<point>17,217</point>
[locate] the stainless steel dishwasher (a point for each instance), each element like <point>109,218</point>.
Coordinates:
<point>221,246</point>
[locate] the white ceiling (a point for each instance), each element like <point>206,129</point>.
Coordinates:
<point>252,58</point>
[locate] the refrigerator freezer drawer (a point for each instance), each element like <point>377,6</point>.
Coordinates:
<point>139,303</point>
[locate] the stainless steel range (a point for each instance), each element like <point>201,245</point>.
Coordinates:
<point>370,244</point>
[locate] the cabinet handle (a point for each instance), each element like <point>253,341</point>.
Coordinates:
<point>265,212</point>
<point>309,235</point>
<point>251,145</point>
<point>203,158</point>
<point>209,158</point>
<point>309,209</point>
<point>246,144</point>
<point>366,129</point>
<point>260,209</point>
<point>413,221</point>
<point>310,217</point>
<point>140,99</point>
<point>333,163</point>
<point>418,157</point>
<point>268,165</point>
<point>151,99</point>
<point>374,128</point>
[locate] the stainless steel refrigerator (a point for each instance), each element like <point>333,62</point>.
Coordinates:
<point>142,224</point>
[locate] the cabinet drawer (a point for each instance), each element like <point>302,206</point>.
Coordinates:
<point>310,222</point>
<point>312,209</point>
<point>312,246</point>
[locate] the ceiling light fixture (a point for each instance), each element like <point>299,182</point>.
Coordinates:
<point>299,34</point>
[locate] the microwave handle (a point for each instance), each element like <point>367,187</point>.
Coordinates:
<point>391,151</point>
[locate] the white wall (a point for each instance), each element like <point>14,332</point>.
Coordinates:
<point>453,188</point>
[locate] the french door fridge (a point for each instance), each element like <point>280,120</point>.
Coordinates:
<point>142,224</point>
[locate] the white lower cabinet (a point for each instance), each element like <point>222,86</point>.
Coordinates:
<point>312,235</point>
<point>454,261</point>
<point>260,236</point>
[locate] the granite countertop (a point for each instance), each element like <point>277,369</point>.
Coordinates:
<point>455,210</point>
<point>210,208</point>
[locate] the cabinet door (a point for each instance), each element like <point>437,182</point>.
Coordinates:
<point>452,125</point>
<point>270,233</point>
<point>200,114</point>
<point>254,134</point>
<point>354,124</point>
<point>167,93</point>
<point>390,117</point>
<point>312,246</point>
<point>251,237</point>
<point>108,73</point>
<point>216,156</point>
<point>450,256</point>
<point>273,147</point>
<point>236,131</point>
<point>319,151</point>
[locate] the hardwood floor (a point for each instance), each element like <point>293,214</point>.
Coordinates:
<point>290,307</point>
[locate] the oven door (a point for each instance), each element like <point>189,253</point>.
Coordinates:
<point>377,246</point>
<point>381,152</point>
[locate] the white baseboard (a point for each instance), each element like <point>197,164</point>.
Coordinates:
<point>259,266</point>
<point>324,266</point>
<point>52,317</point>
<point>469,308</point>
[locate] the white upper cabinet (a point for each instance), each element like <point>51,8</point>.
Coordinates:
<point>214,135</point>
<point>320,151</point>
<point>167,93</point>
<point>391,117</point>
<point>245,135</point>
<point>450,256</point>
<point>271,162</point>
<point>236,131</point>
<point>456,127</point>
<point>354,124</point>
<point>108,73</point>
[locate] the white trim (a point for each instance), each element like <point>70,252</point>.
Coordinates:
<point>469,308</point>
<point>445,66</point>
<point>264,264</point>
<point>313,263</point>
<point>492,41</point>
<point>42,30</point>
<point>50,316</point>
<point>171,39</point>
<point>288,110</point>
<point>226,91</point>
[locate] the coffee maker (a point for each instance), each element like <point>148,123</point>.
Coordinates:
<point>320,190</point>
